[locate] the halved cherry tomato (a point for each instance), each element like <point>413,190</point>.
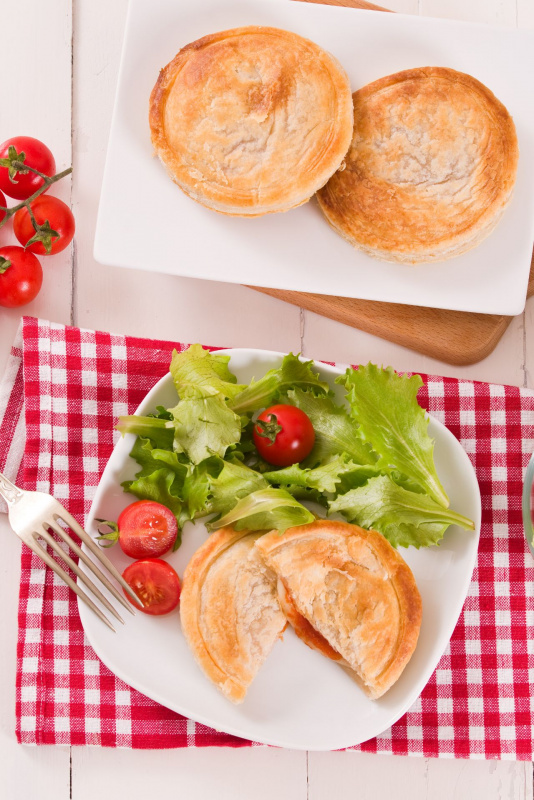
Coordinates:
<point>21,276</point>
<point>37,155</point>
<point>283,435</point>
<point>155,583</point>
<point>147,529</point>
<point>46,209</point>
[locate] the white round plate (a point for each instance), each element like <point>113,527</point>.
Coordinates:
<point>299,699</point>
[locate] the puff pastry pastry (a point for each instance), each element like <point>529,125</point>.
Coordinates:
<point>229,610</point>
<point>350,595</point>
<point>252,120</point>
<point>430,169</point>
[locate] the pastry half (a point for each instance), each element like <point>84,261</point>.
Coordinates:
<point>350,595</point>
<point>252,120</point>
<point>229,610</point>
<point>430,169</point>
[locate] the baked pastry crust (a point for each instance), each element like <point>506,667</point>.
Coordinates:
<point>229,610</point>
<point>355,590</point>
<point>252,120</point>
<point>430,169</point>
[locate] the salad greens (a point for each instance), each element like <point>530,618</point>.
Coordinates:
<point>397,513</point>
<point>392,422</point>
<point>372,461</point>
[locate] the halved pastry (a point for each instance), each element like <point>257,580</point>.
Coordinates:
<point>430,170</point>
<point>229,610</point>
<point>252,120</point>
<point>350,595</point>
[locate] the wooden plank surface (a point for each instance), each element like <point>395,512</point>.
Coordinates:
<point>80,291</point>
<point>35,98</point>
<point>451,336</point>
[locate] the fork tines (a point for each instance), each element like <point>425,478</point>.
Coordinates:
<point>52,523</point>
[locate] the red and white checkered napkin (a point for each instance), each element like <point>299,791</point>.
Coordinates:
<point>76,383</point>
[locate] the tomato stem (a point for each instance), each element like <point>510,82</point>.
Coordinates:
<point>48,181</point>
<point>43,233</point>
<point>108,538</point>
<point>269,430</point>
<point>5,264</point>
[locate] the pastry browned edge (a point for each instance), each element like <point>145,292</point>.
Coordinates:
<point>430,169</point>
<point>349,594</point>
<point>252,120</point>
<point>229,610</point>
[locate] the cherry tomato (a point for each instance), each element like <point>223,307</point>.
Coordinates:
<point>21,276</point>
<point>45,209</point>
<point>155,583</point>
<point>36,155</point>
<point>4,204</point>
<point>147,529</point>
<point>284,436</point>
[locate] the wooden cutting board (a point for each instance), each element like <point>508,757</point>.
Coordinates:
<point>456,337</point>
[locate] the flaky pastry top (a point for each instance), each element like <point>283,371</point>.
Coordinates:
<point>229,610</point>
<point>430,169</point>
<point>251,120</point>
<point>354,588</point>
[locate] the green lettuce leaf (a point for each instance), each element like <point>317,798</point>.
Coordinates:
<point>151,459</point>
<point>198,368</point>
<point>204,425</point>
<point>196,488</point>
<point>306,494</point>
<point>403,517</point>
<point>335,432</point>
<point>266,509</point>
<point>324,478</point>
<point>159,486</point>
<point>356,477</point>
<point>385,406</point>
<point>159,431</point>
<point>234,481</point>
<point>292,372</point>
<point>161,413</point>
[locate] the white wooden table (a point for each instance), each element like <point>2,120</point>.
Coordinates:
<point>59,69</point>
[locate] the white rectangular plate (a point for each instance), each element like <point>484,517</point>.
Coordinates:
<point>146,222</point>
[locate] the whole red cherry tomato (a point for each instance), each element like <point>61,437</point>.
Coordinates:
<point>4,204</point>
<point>145,529</point>
<point>21,276</point>
<point>155,583</point>
<point>46,209</point>
<point>283,435</point>
<point>33,153</point>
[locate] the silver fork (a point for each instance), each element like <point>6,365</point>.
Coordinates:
<point>32,515</point>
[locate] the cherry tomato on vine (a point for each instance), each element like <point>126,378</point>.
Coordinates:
<point>4,204</point>
<point>57,233</point>
<point>156,584</point>
<point>145,529</point>
<point>21,276</point>
<point>283,435</point>
<point>36,154</point>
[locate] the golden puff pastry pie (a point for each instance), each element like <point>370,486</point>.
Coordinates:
<point>350,595</point>
<point>430,169</point>
<point>229,609</point>
<point>251,121</point>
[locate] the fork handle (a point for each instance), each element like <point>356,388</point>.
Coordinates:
<point>9,491</point>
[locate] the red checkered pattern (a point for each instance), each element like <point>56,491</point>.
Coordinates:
<point>478,703</point>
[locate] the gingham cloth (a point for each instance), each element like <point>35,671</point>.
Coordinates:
<point>75,383</point>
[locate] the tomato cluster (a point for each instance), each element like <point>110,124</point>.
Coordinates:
<point>145,531</point>
<point>43,225</point>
